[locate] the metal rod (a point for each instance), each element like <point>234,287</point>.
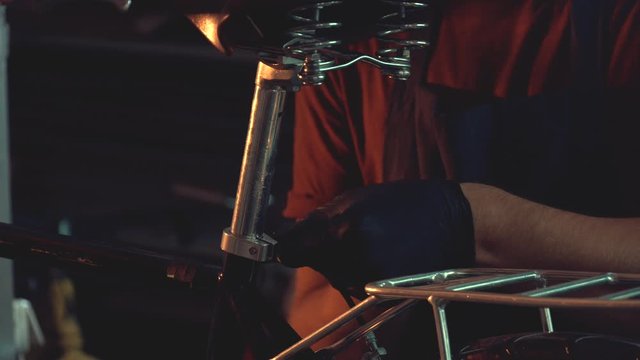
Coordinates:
<point>328,328</point>
<point>5,158</point>
<point>623,295</point>
<point>435,284</point>
<point>442,329</point>
<point>257,164</point>
<point>245,237</point>
<point>7,342</point>
<point>244,242</point>
<point>570,286</point>
<point>545,312</point>
<point>547,320</point>
<point>372,325</point>
<point>416,279</point>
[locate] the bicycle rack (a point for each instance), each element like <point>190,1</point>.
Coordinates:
<point>545,289</point>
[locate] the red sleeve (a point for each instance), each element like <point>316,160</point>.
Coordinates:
<point>502,48</point>
<point>624,65</point>
<point>339,134</point>
<point>322,150</point>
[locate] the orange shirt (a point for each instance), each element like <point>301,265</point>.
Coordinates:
<point>484,50</point>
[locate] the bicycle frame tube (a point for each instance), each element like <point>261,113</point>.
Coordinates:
<point>244,242</point>
<point>245,239</point>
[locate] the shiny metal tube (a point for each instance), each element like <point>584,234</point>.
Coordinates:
<point>546,320</point>
<point>424,285</point>
<point>7,341</point>
<point>442,329</point>
<point>246,236</point>
<point>566,287</point>
<point>372,325</point>
<point>328,328</point>
<point>258,161</point>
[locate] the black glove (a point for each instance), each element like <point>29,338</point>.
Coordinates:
<point>383,231</point>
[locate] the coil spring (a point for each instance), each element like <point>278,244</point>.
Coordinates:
<point>307,44</point>
<point>396,23</point>
<point>310,45</point>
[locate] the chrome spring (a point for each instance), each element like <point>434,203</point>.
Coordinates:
<point>307,44</point>
<point>392,26</point>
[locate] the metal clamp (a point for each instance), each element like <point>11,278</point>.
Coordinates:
<point>250,247</point>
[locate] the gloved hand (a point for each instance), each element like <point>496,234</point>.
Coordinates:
<point>383,231</point>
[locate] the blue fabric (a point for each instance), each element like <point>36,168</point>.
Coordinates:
<point>575,150</point>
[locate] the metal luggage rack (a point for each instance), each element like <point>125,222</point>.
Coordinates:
<point>543,289</point>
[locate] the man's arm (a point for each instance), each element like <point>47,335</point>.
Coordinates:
<point>514,232</point>
<point>403,228</point>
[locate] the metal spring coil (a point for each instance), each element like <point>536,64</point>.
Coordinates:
<point>395,23</point>
<point>305,39</point>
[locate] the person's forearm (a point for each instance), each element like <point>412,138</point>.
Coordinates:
<point>514,232</point>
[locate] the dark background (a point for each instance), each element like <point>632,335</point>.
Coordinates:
<point>110,113</point>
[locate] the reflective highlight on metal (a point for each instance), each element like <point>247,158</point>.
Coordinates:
<point>491,282</point>
<point>468,288</point>
<point>208,25</point>
<point>307,44</point>
<point>483,286</point>
<point>312,48</point>
<point>117,258</point>
<point>442,329</point>
<point>329,328</point>
<point>259,249</point>
<point>245,237</point>
<point>399,51</point>
<point>7,328</point>
<point>123,5</point>
<point>546,320</point>
<point>572,285</point>
<point>367,329</point>
<point>622,295</point>
<point>304,36</point>
<point>408,287</point>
